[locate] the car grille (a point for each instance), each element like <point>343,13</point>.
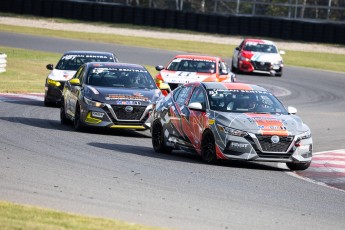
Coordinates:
<point>280,147</point>
<point>263,66</point>
<point>133,115</point>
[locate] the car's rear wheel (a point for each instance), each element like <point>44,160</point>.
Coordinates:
<point>78,125</point>
<point>158,139</point>
<point>63,118</point>
<point>298,166</point>
<point>208,148</point>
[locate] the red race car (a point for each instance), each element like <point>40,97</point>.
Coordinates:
<point>257,56</point>
<point>194,68</point>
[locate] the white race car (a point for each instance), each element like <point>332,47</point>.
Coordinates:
<point>66,68</point>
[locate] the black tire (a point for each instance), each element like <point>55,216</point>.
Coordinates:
<point>48,104</point>
<point>298,166</point>
<point>233,68</point>
<point>208,148</point>
<point>63,119</point>
<point>78,125</point>
<point>158,139</point>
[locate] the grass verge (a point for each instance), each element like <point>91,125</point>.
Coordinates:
<point>14,216</point>
<point>26,70</point>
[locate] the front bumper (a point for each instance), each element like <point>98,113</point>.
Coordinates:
<point>53,94</point>
<point>260,67</point>
<point>260,148</point>
<point>115,116</point>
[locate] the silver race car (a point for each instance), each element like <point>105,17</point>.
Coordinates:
<point>231,121</point>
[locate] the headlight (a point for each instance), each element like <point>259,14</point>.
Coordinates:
<point>93,103</point>
<point>53,83</point>
<point>244,58</point>
<point>231,131</point>
<point>305,135</point>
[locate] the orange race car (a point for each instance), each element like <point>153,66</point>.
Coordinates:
<point>194,68</point>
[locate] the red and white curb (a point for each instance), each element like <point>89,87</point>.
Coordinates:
<point>327,169</point>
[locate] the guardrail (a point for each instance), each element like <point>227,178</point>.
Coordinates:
<point>287,29</point>
<point>3,62</point>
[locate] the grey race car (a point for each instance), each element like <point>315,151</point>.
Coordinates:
<point>231,121</point>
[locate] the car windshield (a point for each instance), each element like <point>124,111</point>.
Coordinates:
<point>192,65</point>
<point>244,101</point>
<point>122,77</point>
<point>260,47</point>
<point>74,61</point>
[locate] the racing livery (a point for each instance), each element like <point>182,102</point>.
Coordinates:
<point>231,121</point>
<point>113,95</point>
<point>66,68</point>
<point>194,68</point>
<point>257,56</point>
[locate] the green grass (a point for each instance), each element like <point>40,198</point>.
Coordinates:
<point>26,70</point>
<point>14,216</point>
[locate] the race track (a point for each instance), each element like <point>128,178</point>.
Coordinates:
<point>116,173</point>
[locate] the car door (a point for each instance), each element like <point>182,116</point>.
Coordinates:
<point>196,119</point>
<point>178,112</point>
<point>73,91</point>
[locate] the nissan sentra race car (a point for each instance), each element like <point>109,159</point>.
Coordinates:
<point>194,68</point>
<point>66,68</point>
<point>109,95</point>
<point>257,56</point>
<point>231,121</point>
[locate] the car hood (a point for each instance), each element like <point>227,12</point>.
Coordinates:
<point>265,124</point>
<point>61,75</point>
<point>263,57</point>
<point>123,96</point>
<point>182,77</point>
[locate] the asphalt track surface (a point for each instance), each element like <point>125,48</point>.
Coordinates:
<point>116,174</point>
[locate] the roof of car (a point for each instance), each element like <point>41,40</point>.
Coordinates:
<point>195,56</point>
<point>229,85</point>
<point>74,52</point>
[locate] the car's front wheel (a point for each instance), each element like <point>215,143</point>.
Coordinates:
<point>78,125</point>
<point>158,139</point>
<point>298,166</point>
<point>208,148</point>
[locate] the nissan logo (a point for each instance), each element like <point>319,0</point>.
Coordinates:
<point>275,139</point>
<point>128,109</point>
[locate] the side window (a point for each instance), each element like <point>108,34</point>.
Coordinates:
<point>198,96</point>
<point>183,95</point>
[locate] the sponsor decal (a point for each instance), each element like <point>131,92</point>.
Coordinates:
<point>269,125</point>
<point>238,145</point>
<point>97,114</point>
<point>128,102</point>
<point>122,97</point>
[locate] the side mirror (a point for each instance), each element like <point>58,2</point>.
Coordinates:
<point>282,52</point>
<point>223,72</point>
<point>159,67</point>
<point>292,110</point>
<point>196,106</point>
<point>75,82</point>
<point>50,66</point>
<point>237,48</point>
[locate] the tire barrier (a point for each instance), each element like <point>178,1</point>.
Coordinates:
<point>3,62</point>
<point>287,29</point>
